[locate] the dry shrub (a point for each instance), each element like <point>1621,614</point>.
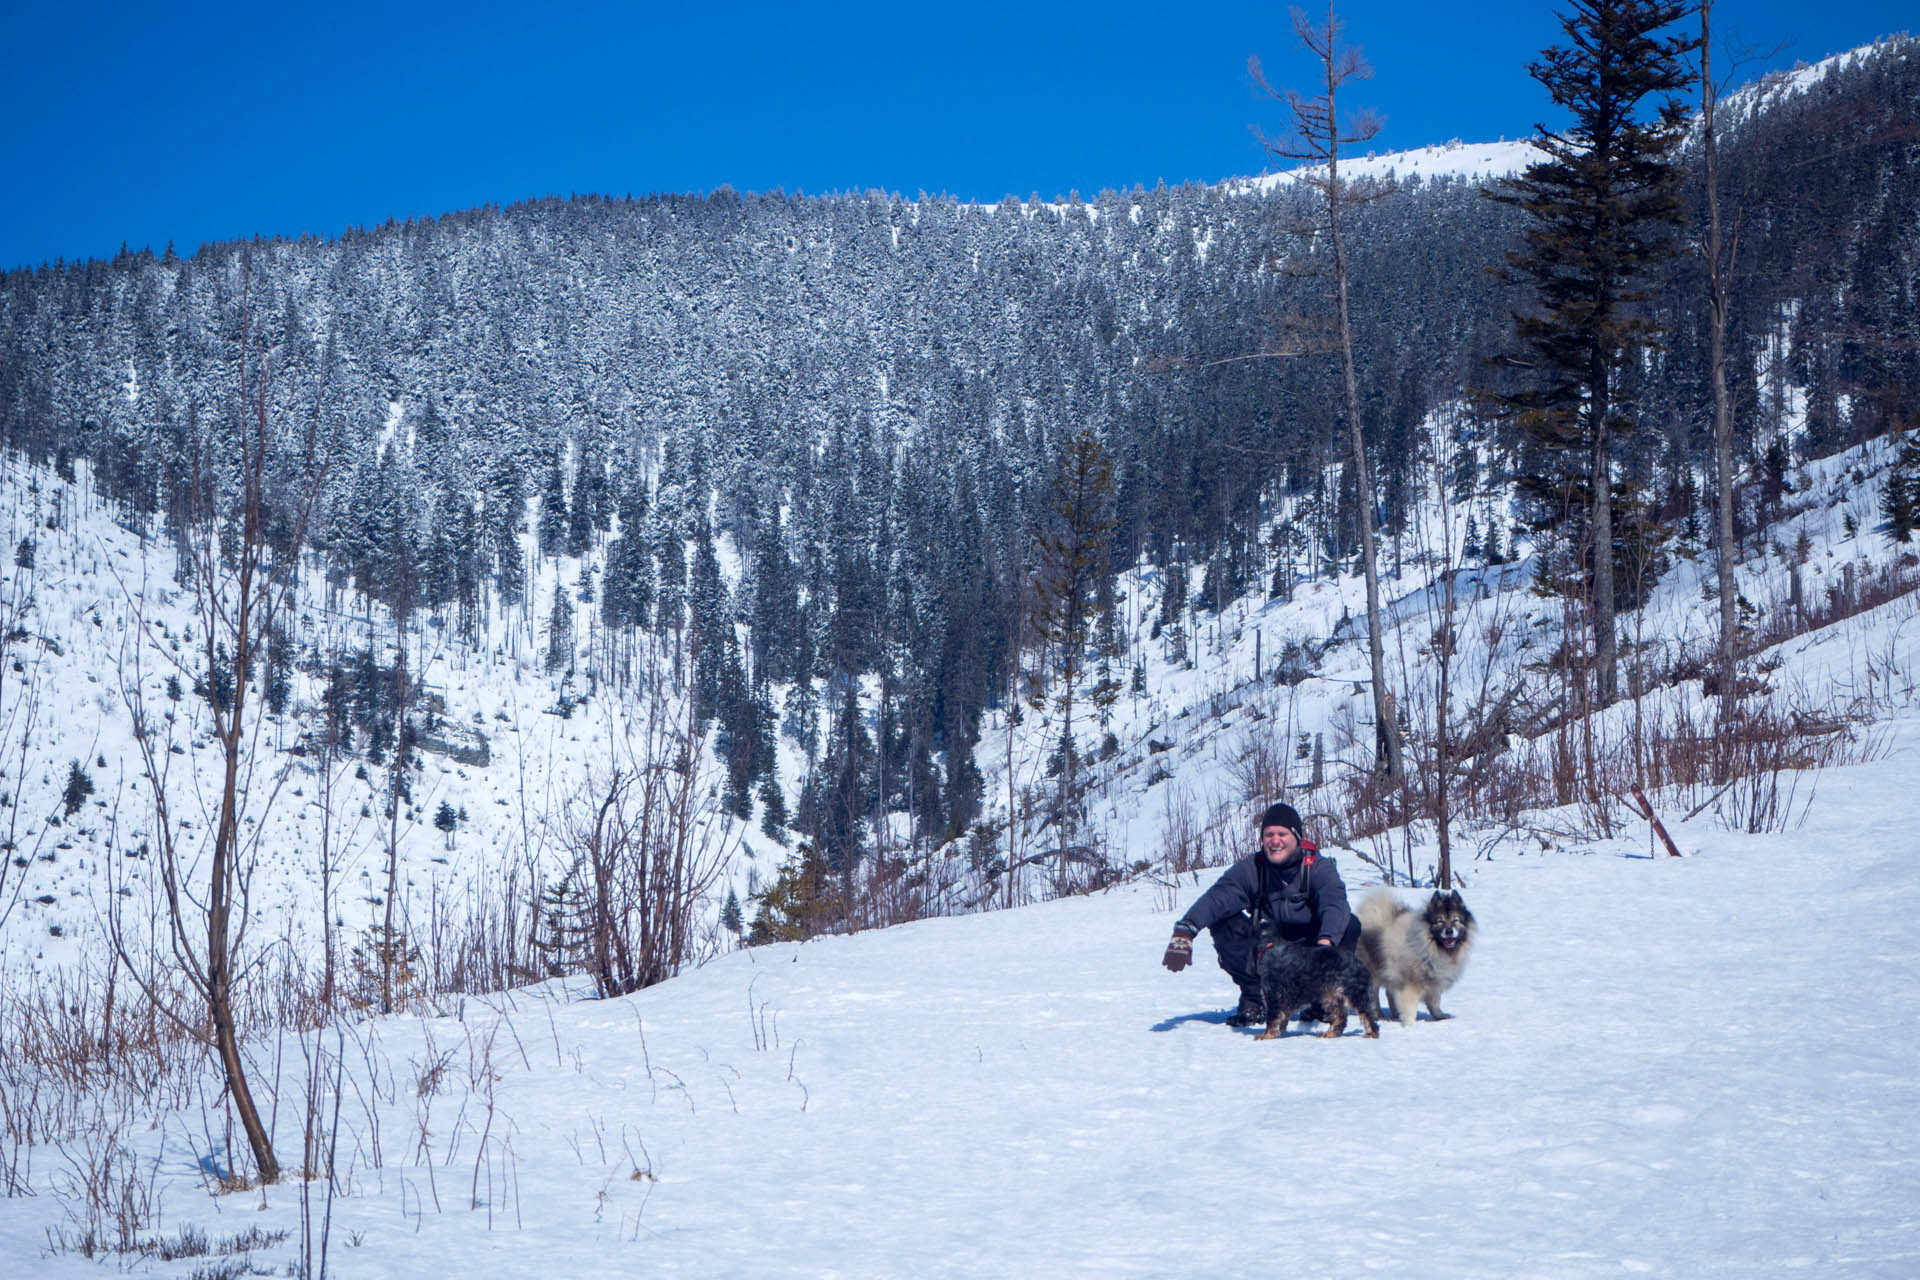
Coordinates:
<point>1260,766</point>
<point>885,890</point>
<point>1191,842</point>
<point>483,943</point>
<point>106,1201</point>
<point>1755,772</point>
<point>645,846</point>
<point>1854,594</point>
<point>1183,838</point>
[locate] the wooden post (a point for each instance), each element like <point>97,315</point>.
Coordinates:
<point>1659,829</point>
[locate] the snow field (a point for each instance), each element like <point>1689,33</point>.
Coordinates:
<point>1699,1066</point>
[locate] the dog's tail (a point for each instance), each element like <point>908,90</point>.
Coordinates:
<point>1379,909</point>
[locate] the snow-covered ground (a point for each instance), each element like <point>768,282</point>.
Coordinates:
<point>1694,1066</point>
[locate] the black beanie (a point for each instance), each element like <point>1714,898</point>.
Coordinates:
<point>1281,815</point>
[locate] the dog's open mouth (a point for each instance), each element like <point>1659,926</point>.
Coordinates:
<point>1449,940</point>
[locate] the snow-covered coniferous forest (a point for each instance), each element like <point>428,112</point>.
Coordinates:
<point>670,733</point>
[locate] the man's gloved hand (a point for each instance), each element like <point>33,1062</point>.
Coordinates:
<point>1180,950</point>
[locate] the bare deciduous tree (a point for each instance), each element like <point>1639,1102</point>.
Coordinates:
<point>1451,766</point>
<point>1720,249</point>
<point>391,945</point>
<point>1318,135</point>
<point>242,579</point>
<point>19,708</point>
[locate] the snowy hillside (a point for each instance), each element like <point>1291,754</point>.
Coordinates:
<point>1475,161</point>
<point>98,616</point>
<point>1672,1067</point>
<point>1487,161</point>
<point>1223,712</point>
<point>99,613</point>
<point>1645,1071</point>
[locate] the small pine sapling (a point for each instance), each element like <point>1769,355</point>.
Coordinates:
<point>445,820</point>
<point>79,787</point>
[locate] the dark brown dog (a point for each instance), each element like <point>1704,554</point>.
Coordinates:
<point>1297,975</point>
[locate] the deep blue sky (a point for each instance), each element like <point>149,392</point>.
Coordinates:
<point>144,123</point>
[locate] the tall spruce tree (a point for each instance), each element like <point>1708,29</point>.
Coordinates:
<point>505,504</point>
<point>552,523</point>
<point>627,597</point>
<point>670,555</point>
<point>1601,205</point>
<point>1900,497</point>
<point>1071,560</point>
<point>775,617</point>
<point>560,643</point>
<point>711,631</point>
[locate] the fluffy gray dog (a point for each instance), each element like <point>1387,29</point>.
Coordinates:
<point>1414,956</point>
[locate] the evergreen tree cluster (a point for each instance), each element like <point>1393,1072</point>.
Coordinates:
<point>1823,187</point>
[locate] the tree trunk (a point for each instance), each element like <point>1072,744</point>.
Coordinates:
<point>1717,289</point>
<point>1389,732</point>
<point>1443,728</point>
<point>1605,677</point>
<point>226,1041</point>
<point>392,953</point>
<point>221,944</point>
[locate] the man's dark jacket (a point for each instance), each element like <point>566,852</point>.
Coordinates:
<point>1305,903</point>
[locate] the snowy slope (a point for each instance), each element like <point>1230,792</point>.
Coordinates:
<point>90,586</point>
<point>1693,1066</point>
<point>1688,1067</point>
<point>1473,161</point>
<point>1487,161</point>
<point>99,613</point>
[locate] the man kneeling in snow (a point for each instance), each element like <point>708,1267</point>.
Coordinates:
<point>1289,882</point>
